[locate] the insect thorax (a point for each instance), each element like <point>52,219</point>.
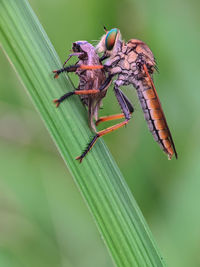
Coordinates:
<point>128,63</point>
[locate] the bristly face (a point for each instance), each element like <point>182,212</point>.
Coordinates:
<point>110,42</point>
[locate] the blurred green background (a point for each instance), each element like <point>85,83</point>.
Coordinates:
<point>43,219</point>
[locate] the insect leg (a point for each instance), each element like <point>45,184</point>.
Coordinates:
<point>103,58</point>
<point>94,91</point>
<point>90,67</point>
<point>109,118</point>
<point>78,54</point>
<point>128,103</point>
<point>84,92</point>
<point>73,68</point>
<point>106,83</point>
<point>117,116</point>
<point>124,103</point>
<point>62,98</point>
<point>127,116</point>
<point>76,92</point>
<point>99,134</point>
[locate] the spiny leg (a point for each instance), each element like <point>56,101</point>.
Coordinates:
<point>72,68</point>
<point>76,92</point>
<point>99,134</point>
<point>127,115</point>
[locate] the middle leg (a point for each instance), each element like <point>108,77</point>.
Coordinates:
<point>117,116</point>
<point>126,113</point>
<point>84,92</point>
<point>73,68</point>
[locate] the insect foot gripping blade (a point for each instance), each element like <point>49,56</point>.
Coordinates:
<point>99,134</point>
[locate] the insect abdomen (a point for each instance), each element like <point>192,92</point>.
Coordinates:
<point>155,119</point>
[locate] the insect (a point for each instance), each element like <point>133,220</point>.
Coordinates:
<point>133,63</point>
<point>93,83</point>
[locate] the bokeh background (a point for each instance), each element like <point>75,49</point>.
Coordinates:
<point>43,219</point>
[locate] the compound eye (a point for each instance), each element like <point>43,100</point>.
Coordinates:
<point>110,39</point>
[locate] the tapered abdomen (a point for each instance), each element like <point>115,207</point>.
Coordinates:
<point>155,117</point>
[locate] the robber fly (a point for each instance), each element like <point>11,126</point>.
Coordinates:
<point>133,63</point>
<point>93,83</point>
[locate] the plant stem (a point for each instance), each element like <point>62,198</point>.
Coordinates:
<point>105,191</point>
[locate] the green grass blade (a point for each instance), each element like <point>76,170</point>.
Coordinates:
<point>109,199</point>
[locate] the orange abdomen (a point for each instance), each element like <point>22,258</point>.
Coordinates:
<point>155,117</point>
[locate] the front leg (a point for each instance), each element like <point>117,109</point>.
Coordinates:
<point>73,68</point>
<point>78,54</point>
<point>103,57</point>
<point>84,92</point>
